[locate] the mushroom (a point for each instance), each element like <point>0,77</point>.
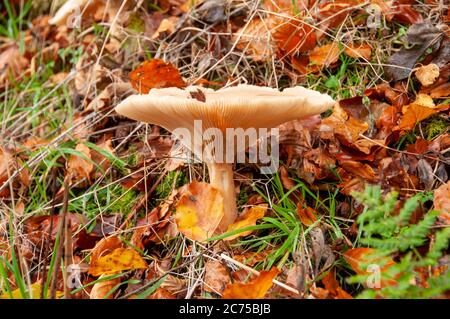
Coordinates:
<point>242,106</point>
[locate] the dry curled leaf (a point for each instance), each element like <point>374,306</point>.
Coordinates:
<point>118,260</point>
<point>155,74</point>
<point>254,289</point>
<point>427,74</point>
<point>199,210</point>
<point>248,218</point>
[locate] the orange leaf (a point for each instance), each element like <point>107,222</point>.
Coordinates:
<point>360,258</point>
<point>414,114</point>
<point>254,289</point>
<point>362,51</point>
<point>332,285</point>
<point>199,210</point>
<point>102,289</point>
<point>442,202</point>
<point>306,215</point>
<point>293,36</point>
<point>324,55</point>
<point>255,40</point>
<point>118,260</point>
<point>155,74</point>
<point>79,167</point>
<point>247,219</point>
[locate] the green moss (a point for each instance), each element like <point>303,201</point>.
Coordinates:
<point>172,180</point>
<point>435,126</point>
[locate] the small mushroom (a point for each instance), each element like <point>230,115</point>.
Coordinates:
<point>242,106</point>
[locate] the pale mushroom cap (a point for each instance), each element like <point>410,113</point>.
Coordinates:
<point>241,106</point>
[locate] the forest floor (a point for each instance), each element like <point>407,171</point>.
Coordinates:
<point>96,205</point>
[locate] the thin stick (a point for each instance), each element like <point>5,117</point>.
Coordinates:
<point>253,271</point>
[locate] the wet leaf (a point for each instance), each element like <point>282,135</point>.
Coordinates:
<point>253,289</point>
<point>199,210</point>
<point>155,74</point>
<point>118,260</point>
<point>248,218</point>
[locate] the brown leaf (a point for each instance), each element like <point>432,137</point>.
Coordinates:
<point>12,63</point>
<point>442,202</point>
<point>307,215</point>
<point>217,277</point>
<point>79,167</point>
<point>417,111</point>
<point>421,36</point>
<point>105,246</point>
<point>199,210</point>
<point>359,258</point>
<point>292,36</point>
<point>247,218</point>
<point>360,169</point>
<point>254,289</point>
<point>102,289</point>
<point>255,40</point>
<point>325,55</point>
<point>155,74</point>
<point>361,51</point>
<point>427,74</point>
<point>333,287</point>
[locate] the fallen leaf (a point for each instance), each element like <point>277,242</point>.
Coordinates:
<point>217,277</point>
<point>360,258</point>
<point>254,289</point>
<point>118,260</point>
<point>155,74</point>
<point>307,215</point>
<point>80,166</point>
<point>427,74</point>
<point>255,40</point>
<point>102,289</point>
<point>362,170</point>
<point>12,63</point>
<point>292,35</point>
<point>33,293</point>
<point>442,202</point>
<point>167,26</point>
<point>361,51</point>
<point>421,36</point>
<point>405,13</point>
<point>325,55</point>
<point>333,287</point>
<point>105,246</point>
<point>199,210</point>
<point>417,111</point>
<point>248,218</point>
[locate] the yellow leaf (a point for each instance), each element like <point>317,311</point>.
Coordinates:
<point>254,289</point>
<point>34,293</point>
<point>248,219</point>
<point>427,74</point>
<point>119,260</point>
<point>199,211</point>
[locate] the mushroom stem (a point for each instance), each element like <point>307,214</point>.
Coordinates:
<point>221,178</point>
